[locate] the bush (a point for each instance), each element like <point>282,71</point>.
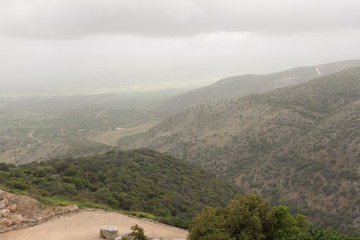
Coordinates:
<point>247,217</point>
<point>137,233</point>
<point>17,184</point>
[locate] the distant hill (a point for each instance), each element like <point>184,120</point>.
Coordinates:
<point>239,86</point>
<point>297,145</point>
<point>140,180</point>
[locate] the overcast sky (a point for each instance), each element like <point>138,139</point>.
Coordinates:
<point>71,44</point>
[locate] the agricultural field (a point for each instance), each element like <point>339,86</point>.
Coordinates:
<point>56,129</point>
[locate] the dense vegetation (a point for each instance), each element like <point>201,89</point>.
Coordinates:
<point>251,218</point>
<point>297,146</point>
<point>138,180</point>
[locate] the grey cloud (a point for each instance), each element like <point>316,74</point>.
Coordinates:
<point>172,18</point>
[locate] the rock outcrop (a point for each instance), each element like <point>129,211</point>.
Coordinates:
<point>20,211</point>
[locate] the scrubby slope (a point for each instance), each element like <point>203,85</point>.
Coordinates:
<point>298,144</point>
<point>138,180</point>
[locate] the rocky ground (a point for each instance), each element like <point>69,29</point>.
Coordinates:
<point>85,225</point>
<point>22,217</point>
<point>20,211</point>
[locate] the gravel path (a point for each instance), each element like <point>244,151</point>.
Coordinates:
<point>85,225</point>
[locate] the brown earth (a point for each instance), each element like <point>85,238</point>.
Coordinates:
<point>85,225</point>
<point>20,211</point>
<point>23,217</point>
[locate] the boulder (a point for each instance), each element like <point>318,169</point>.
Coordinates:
<point>150,237</point>
<point>108,232</point>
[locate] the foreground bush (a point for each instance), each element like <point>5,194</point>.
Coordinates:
<point>247,218</point>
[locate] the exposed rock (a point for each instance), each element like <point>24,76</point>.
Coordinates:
<point>150,237</point>
<point>13,208</point>
<point>126,235</point>
<point>17,219</point>
<point>108,232</point>
<point>4,223</point>
<point>4,212</point>
<point>22,211</point>
<point>3,203</point>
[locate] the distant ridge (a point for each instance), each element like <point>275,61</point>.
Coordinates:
<point>239,86</point>
<point>297,145</point>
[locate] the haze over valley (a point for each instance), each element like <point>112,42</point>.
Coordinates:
<point>180,119</point>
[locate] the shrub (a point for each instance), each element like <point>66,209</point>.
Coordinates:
<point>137,233</point>
<point>247,217</point>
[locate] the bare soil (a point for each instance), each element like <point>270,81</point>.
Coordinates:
<point>85,225</point>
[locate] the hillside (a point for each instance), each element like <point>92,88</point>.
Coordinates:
<point>239,86</point>
<point>297,145</point>
<point>139,180</point>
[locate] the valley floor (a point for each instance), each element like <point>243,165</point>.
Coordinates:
<point>85,225</point>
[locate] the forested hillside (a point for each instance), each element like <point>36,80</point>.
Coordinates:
<point>299,145</point>
<point>138,180</point>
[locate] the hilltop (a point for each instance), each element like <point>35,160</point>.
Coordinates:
<point>239,86</point>
<point>297,145</point>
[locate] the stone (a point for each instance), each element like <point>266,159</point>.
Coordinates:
<point>17,219</point>
<point>13,208</point>
<point>4,223</point>
<point>108,232</point>
<point>4,212</point>
<point>162,238</point>
<point>3,203</point>
<point>127,235</point>
<point>149,237</point>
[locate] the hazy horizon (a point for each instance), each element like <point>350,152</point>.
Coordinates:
<point>64,45</point>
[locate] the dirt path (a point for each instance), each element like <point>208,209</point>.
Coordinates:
<point>85,225</point>
<point>32,137</point>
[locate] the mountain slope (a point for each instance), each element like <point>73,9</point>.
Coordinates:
<point>139,180</point>
<point>298,144</point>
<point>238,86</point>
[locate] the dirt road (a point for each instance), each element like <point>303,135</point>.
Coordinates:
<point>85,225</point>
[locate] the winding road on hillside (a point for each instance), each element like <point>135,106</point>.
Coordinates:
<point>85,225</point>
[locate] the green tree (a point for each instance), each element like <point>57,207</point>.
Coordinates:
<point>137,233</point>
<point>246,217</point>
<point>212,223</point>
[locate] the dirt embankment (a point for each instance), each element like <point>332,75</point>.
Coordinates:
<point>19,211</point>
<point>24,218</point>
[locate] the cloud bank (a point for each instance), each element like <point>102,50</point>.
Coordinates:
<point>173,18</point>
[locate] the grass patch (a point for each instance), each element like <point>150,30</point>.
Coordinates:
<point>61,201</point>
